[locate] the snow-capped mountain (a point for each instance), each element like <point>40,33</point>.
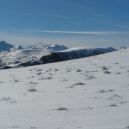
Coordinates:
<point>88,93</point>
<point>49,47</point>
<point>56,47</point>
<point>17,47</point>
<point>34,56</point>
<point>4,46</point>
<point>19,55</point>
<point>16,57</point>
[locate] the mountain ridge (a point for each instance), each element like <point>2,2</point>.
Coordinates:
<point>4,46</point>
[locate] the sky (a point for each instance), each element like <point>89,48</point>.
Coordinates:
<point>89,23</point>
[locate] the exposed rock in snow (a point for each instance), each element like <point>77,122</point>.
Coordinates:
<point>74,53</point>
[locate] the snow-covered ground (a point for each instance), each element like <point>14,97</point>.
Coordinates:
<point>88,93</point>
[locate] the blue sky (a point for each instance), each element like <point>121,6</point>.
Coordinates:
<point>90,23</point>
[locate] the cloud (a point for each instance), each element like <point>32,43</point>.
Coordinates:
<point>94,33</point>
<point>77,32</point>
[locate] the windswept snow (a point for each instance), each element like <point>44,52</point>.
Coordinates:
<point>88,93</point>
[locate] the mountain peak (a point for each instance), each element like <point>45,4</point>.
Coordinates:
<point>49,47</point>
<point>4,46</point>
<point>17,47</point>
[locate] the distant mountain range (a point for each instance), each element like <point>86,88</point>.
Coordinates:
<point>50,47</point>
<point>4,46</point>
<point>40,53</point>
<point>13,56</point>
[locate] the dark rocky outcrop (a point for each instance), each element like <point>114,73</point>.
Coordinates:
<point>29,63</point>
<point>73,54</point>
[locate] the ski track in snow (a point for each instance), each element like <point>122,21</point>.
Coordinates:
<point>88,93</point>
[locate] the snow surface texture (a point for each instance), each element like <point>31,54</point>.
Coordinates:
<point>88,93</point>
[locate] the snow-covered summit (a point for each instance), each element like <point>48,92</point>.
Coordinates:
<point>39,45</point>
<point>17,47</point>
<point>49,47</point>
<point>56,47</point>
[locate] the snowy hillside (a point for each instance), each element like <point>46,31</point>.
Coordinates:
<point>88,93</point>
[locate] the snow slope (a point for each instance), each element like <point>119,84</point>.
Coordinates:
<point>88,93</point>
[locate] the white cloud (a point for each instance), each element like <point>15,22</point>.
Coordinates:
<point>99,33</point>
